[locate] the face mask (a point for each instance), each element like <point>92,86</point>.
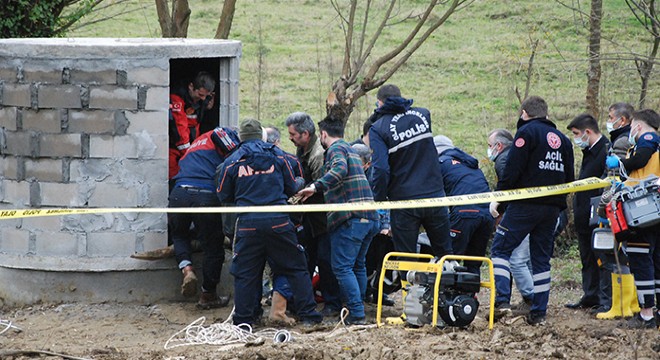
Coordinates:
<point>491,154</point>
<point>631,138</point>
<point>581,142</point>
<point>610,125</point>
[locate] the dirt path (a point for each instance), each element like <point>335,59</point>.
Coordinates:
<point>115,331</point>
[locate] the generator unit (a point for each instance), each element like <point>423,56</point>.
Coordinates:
<point>457,302</point>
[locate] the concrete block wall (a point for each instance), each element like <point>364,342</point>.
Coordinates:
<point>84,124</point>
<point>61,120</point>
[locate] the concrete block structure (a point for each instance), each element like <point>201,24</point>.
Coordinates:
<point>84,124</point>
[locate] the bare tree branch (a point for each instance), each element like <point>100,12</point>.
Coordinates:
<point>419,43</point>
<point>346,68</point>
<point>226,19</point>
<point>75,17</point>
<point>164,18</point>
<point>364,30</point>
<point>105,18</point>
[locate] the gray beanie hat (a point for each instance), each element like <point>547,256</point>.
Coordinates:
<point>250,129</point>
<point>442,143</point>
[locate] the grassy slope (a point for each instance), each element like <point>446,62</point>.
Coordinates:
<point>465,74</point>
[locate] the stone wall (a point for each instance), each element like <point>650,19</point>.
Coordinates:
<point>83,124</point>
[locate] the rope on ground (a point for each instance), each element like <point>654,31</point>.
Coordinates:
<point>227,334</point>
<point>8,325</point>
<point>224,334</point>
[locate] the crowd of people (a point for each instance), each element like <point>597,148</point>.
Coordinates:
<point>397,158</point>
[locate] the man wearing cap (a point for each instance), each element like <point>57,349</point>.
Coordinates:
<point>257,173</point>
<point>194,186</point>
<point>405,167</point>
<point>470,226</point>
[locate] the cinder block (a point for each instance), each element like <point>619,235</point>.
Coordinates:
<point>41,223</point>
<point>16,95</point>
<point>59,145</point>
<point>100,146</point>
<point>51,243</point>
<point>114,195</point>
<point>43,169</point>
<point>101,77</point>
<point>8,74</point>
<point>9,168</point>
<point>59,96</point>
<point>42,120</point>
<point>42,74</point>
<point>57,194</point>
<point>92,121</point>
<point>162,147</point>
<point>91,170</point>
<point>155,122</point>
<point>18,143</point>
<point>112,97</point>
<point>8,118</point>
<point>158,194</point>
<point>16,192</point>
<point>110,244</point>
<point>14,241</point>
<point>125,147</point>
<point>154,240</point>
<point>144,171</point>
<point>148,76</point>
<point>158,98</point>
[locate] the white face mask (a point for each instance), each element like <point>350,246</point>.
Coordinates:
<point>492,154</point>
<point>581,141</point>
<point>610,125</point>
<point>632,136</point>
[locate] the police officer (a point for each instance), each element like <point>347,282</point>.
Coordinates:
<point>258,174</point>
<point>470,226</point>
<point>195,187</point>
<point>405,167</point>
<point>541,155</point>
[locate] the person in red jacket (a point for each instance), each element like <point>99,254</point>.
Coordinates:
<point>188,106</point>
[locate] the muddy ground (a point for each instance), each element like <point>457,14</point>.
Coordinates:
<point>116,331</point>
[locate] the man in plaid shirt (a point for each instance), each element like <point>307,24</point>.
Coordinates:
<point>350,232</point>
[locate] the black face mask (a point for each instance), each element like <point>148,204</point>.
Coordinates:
<point>520,122</point>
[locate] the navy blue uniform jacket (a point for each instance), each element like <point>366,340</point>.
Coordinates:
<point>404,156</point>
<point>198,164</point>
<point>540,155</point>
<point>462,176</point>
<point>257,173</point>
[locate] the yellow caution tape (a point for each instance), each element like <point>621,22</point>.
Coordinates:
<point>500,196</point>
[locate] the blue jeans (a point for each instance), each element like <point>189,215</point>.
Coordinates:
<point>520,264</point>
<point>349,244</point>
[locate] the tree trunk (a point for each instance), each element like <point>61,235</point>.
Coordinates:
<point>173,24</point>
<point>226,19</point>
<point>594,72</point>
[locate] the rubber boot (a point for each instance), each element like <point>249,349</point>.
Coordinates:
<point>620,305</point>
<point>629,280</point>
<point>278,310</point>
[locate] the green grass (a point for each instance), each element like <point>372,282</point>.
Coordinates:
<point>465,73</point>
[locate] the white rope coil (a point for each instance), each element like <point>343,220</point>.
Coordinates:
<point>223,334</point>
<point>8,325</point>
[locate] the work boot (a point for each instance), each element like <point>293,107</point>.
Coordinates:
<point>536,319</point>
<point>502,310</point>
<point>621,306</point>
<point>210,300</point>
<point>189,283</point>
<point>637,322</point>
<point>278,310</point>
